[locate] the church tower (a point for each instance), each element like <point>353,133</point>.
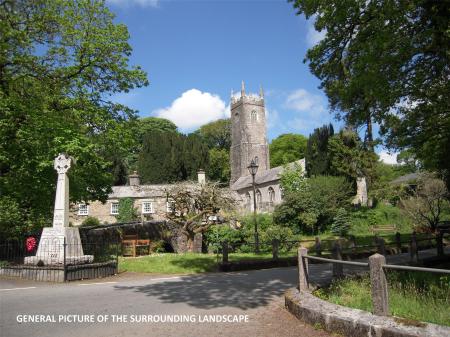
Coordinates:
<point>248,134</point>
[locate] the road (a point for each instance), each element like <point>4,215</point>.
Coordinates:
<point>257,294</point>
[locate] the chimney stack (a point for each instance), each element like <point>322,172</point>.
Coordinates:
<point>134,179</point>
<point>201,177</point>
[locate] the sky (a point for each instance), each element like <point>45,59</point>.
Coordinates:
<point>196,52</point>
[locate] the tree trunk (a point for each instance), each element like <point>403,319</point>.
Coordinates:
<point>190,242</point>
<point>369,133</point>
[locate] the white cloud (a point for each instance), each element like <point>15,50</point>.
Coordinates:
<point>388,158</point>
<point>194,108</point>
<point>130,3</point>
<point>311,110</point>
<point>312,35</point>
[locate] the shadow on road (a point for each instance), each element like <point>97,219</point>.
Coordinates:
<point>243,290</point>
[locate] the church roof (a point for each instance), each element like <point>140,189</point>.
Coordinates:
<point>271,175</point>
<point>407,178</point>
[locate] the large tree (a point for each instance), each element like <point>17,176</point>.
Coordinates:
<point>316,156</point>
<point>193,205</point>
<point>170,157</point>
<point>217,136</point>
<point>287,148</point>
<point>349,158</point>
<point>59,63</point>
<point>388,62</point>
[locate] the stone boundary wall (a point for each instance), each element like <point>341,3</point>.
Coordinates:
<point>56,273</point>
<point>354,322</point>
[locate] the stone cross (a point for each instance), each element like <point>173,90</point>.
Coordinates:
<point>61,212</point>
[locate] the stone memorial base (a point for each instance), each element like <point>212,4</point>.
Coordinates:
<point>59,245</point>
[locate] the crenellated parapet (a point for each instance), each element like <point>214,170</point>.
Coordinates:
<point>248,98</point>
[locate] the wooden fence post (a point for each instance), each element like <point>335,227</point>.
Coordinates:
<point>413,249</point>
<point>353,244</point>
<point>302,269</point>
<point>398,242</point>
<point>225,251</point>
<point>318,246</point>
<point>439,243</point>
<point>380,299</point>
<point>381,246</point>
<point>275,246</point>
<point>338,269</point>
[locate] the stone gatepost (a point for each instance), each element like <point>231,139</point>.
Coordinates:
<point>379,285</point>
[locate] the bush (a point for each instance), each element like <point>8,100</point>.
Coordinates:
<point>90,221</point>
<point>216,234</point>
<point>127,212</point>
<point>157,246</point>
<point>383,214</point>
<point>312,207</point>
<point>341,223</point>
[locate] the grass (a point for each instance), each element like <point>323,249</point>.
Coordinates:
<point>189,263</point>
<point>413,296</point>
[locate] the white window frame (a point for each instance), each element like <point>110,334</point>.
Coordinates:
<point>113,203</point>
<point>169,204</point>
<point>83,209</point>
<point>146,202</point>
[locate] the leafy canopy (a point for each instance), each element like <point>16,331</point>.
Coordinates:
<point>286,149</point>
<point>388,62</point>
<point>60,62</point>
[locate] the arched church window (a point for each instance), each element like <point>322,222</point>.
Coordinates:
<point>256,160</point>
<point>271,195</point>
<point>258,199</point>
<point>254,116</point>
<point>248,201</point>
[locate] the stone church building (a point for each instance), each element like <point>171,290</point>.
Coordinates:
<point>248,141</point>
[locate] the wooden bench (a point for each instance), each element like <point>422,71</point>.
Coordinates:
<point>131,245</point>
<point>384,228</point>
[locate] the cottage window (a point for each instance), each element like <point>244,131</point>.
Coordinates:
<point>170,206</point>
<point>114,208</point>
<point>147,207</point>
<point>83,209</point>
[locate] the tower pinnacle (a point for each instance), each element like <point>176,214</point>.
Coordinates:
<point>261,91</point>
<point>242,89</point>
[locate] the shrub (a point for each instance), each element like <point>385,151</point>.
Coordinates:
<point>312,207</point>
<point>341,223</point>
<point>216,234</point>
<point>127,212</point>
<point>90,221</point>
<point>157,246</point>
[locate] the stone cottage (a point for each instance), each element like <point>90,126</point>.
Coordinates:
<point>150,202</point>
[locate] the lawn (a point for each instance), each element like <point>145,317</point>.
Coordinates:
<point>412,295</point>
<point>189,263</point>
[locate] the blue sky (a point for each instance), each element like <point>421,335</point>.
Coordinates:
<point>196,52</point>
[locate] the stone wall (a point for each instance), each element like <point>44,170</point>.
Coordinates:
<point>103,211</point>
<point>246,196</point>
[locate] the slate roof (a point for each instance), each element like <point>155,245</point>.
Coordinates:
<point>271,175</point>
<point>406,178</point>
<point>140,191</point>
